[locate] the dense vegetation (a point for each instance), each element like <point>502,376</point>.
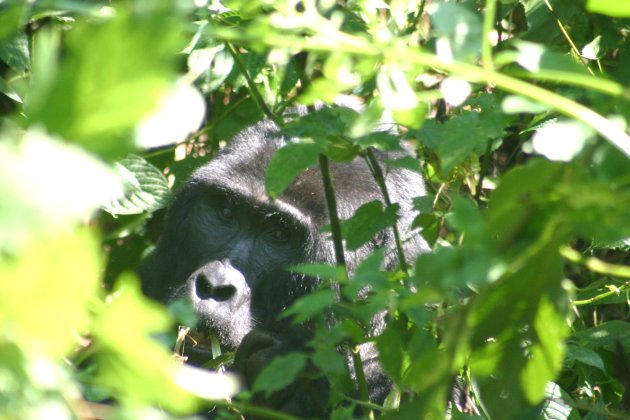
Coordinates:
<point>518,112</point>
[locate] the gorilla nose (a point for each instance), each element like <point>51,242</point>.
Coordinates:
<point>206,289</point>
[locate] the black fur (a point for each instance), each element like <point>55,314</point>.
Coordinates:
<point>195,259</point>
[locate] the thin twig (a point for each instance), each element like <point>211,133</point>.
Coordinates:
<point>377,173</point>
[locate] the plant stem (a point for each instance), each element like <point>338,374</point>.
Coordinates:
<point>489,17</point>
<point>377,173</point>
<point>252,86</point>
<point>331,201</point>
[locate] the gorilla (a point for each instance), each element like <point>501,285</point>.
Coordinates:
<point>227,245</point>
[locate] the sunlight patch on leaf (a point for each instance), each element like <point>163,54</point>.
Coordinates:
<point>561,140</point>
<point>455,91</point>
<point>179,113</point>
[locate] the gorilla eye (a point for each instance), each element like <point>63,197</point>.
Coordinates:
<point>226,214</point>
<point>279,235</point>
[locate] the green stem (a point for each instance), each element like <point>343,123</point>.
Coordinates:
<point>362,382</point>
<point>489,17</point>
<point>602,296</point>
<point>331,201</point>
<point>377,173</point>
<point>596,265</point>
<point>253,89</point>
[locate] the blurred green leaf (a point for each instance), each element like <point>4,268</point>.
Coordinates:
<point>134,367</point>
<point>97,95</point>
<point>457,28</point>
<point>609,7</point>
<point>46,289</point>
<point>519,361</point>
<point>45,185</point>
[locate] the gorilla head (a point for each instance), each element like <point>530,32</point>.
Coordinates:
<point>227,245</point>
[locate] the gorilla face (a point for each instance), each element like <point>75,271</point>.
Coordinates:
<point>240,278</point>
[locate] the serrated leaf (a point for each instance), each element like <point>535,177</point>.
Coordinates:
<point>367,221</point>
<point>146,188</point>
<point>287,163</point>
<point>280,373</point>
<point>558,404</point>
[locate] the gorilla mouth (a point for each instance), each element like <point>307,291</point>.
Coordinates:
<point>199,347</point>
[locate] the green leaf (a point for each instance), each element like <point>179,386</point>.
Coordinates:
<point>458,30</point>
<point>57,288</point>
<point>461,136</point>
<point>327,127</point>
<point>287,163</point>
<point>536,57</point>
<point>309,305</point>
<point>586,356</point>
<point>96,95</point>
<point>605,335</point>
<point>46,185</point>
<point>280,373</point>
<point>391,351</point>
<point>14,52</point>
<point>146,188</point>
<point>558,404</point>
<point>519,361</point>
<point>561,140</point>
<point>219,64</point>
<point>367,221</point>
<point>613,8</point>
<point>381,140</point>
<point>132,365</point>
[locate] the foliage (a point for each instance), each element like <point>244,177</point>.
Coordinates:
<point>517,111</point>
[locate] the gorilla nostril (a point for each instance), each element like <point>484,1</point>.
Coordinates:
<point>223,293</point>
<point>205,289</point>
<point>203,286</point>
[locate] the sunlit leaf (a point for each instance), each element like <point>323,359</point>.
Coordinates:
<point>609,7</point>
<point>45,291</point>
<point>46,185</point>
<point>146,189</point>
